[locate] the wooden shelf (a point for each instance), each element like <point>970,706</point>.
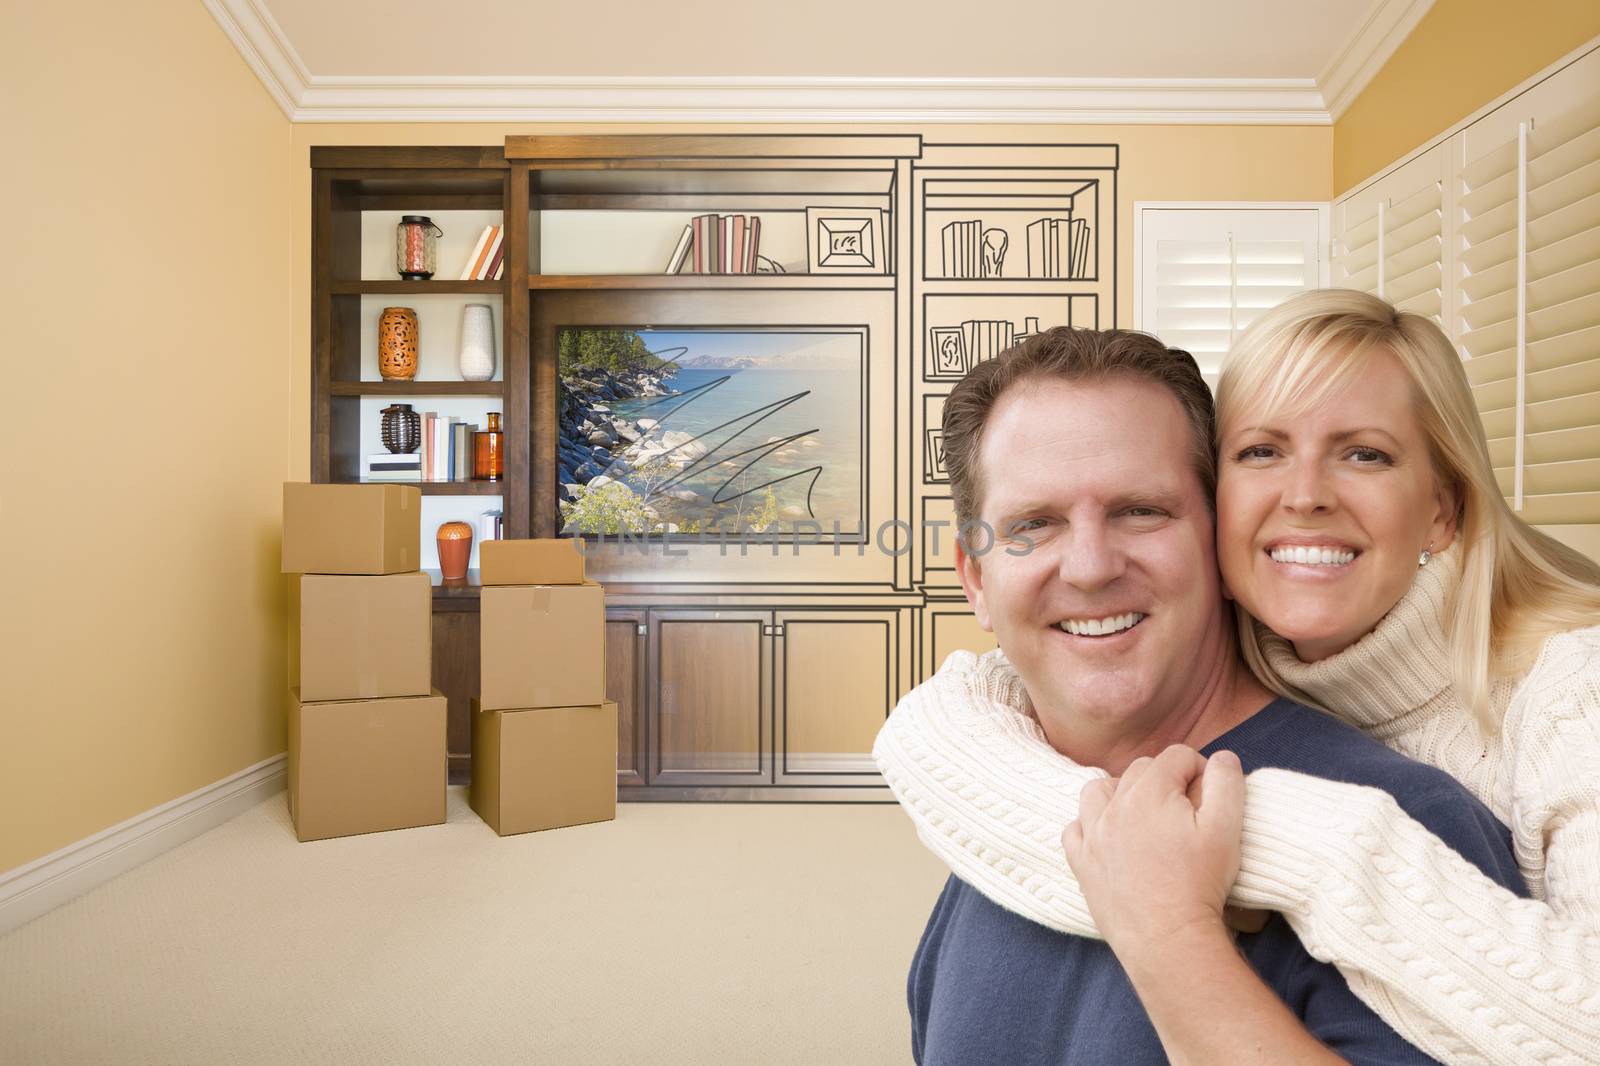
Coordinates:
<point>445,488</point>
<point>417,388</point>
<point>1009,286</point>
<point>753,282</point>
<point>417,288</point>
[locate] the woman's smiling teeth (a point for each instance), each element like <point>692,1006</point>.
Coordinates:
<point>1100,627</point>
<point>1311,556</point>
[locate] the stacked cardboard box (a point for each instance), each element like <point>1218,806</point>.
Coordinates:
<point>366,727</point>
<point>544,736</point>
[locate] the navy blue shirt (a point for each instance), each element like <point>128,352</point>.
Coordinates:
<point>987,986</point>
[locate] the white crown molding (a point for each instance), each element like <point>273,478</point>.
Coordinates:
<point>305,97</point>
<point>1387,26</point>
<point>44,884</point>
<point>810,99</point>
<point>265,48</point>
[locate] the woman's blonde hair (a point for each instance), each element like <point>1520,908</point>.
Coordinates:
<point>1518,586</point>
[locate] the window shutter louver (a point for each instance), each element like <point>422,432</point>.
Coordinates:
<point>1413,273</point>
<point>1529,265</point>
<point>1194,298</point>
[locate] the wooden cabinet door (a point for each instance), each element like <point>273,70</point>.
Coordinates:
<point>710,697</point>
<point>625,647</point>
<point>838,674</point>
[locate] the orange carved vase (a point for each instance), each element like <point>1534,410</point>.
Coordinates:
<point>397,344</point>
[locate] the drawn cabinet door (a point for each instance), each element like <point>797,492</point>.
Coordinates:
<point>838,675</point>
<point>711,697</point>
<point>947,626</point>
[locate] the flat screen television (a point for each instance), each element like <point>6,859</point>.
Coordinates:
<point>685,432</point>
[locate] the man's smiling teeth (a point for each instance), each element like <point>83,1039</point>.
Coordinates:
<point>1100,627</point>
<point>1312,556</point>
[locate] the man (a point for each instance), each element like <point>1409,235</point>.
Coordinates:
<point>1082,471</point>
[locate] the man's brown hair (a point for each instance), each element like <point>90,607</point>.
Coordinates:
<point>1076,355</point>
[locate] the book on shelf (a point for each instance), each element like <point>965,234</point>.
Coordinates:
<point>447,448</point>
<point>680,254</point>
<point>496,259</point>
<point>1080,248</point>
<point>718,244</point>
<point>394,466</point>
<point>1038,244</point>
<point>491,526</point>
<point>481,264</point>
<point>461,450</point>
<point>493,248</point>
<point>441,449</point>
<point>1058,248</point>
<point>475,254</point>
<point>426,450</point>
<point>961,248</point>
<point>394,461</point>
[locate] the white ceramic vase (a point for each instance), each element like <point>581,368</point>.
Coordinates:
<point>476,357</point>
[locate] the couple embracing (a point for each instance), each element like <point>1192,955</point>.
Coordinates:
<point>1290,751</point>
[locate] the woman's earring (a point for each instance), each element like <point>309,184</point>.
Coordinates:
<point>1426,555</point>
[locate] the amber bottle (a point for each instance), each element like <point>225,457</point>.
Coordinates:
<point>489,451</point>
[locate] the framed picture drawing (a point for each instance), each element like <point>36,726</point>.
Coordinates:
<point>845,240</point>
<point>934,472</point>
<point>947,354</point>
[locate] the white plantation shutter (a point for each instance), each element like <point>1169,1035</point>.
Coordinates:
<point>1529,275</point>
<point>1495,233</point>
<point>1206,273</point>
<point>1194,298</point>
<point>1389,238</point>
<point>1413,246</point>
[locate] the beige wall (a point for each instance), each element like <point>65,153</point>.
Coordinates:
<point>159,303</point>
<point>1462,55</point>
<point>1157,163</point>
<point>146,336</point>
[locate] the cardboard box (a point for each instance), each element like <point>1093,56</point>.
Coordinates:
<point>351,529</point>
<point>360,637</point>
<point>364,766</point>
<point>542,561</point>
<point>544,767</point>
<point>542,646</point>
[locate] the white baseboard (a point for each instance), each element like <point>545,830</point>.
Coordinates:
<point>46,883</point>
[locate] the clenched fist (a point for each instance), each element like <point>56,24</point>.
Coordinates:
<point>1151,861</point>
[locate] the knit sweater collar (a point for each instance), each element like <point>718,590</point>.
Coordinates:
<point>1403,664</point>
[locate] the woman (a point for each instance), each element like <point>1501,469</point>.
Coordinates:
<point>1379,575</point>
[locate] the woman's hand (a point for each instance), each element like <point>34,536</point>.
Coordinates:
<point>1152,863</point>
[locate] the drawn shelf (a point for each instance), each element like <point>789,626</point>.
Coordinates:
<point>757,282</point>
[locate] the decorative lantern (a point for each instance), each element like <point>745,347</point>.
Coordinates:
<point>401,429</point>
<point>416,253</point>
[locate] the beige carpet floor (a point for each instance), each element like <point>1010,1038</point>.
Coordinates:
<point>679,933</point>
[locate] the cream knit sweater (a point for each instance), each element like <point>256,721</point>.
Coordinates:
<point>1462,968</point>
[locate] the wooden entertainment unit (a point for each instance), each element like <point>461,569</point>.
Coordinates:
<point>759,674</point>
